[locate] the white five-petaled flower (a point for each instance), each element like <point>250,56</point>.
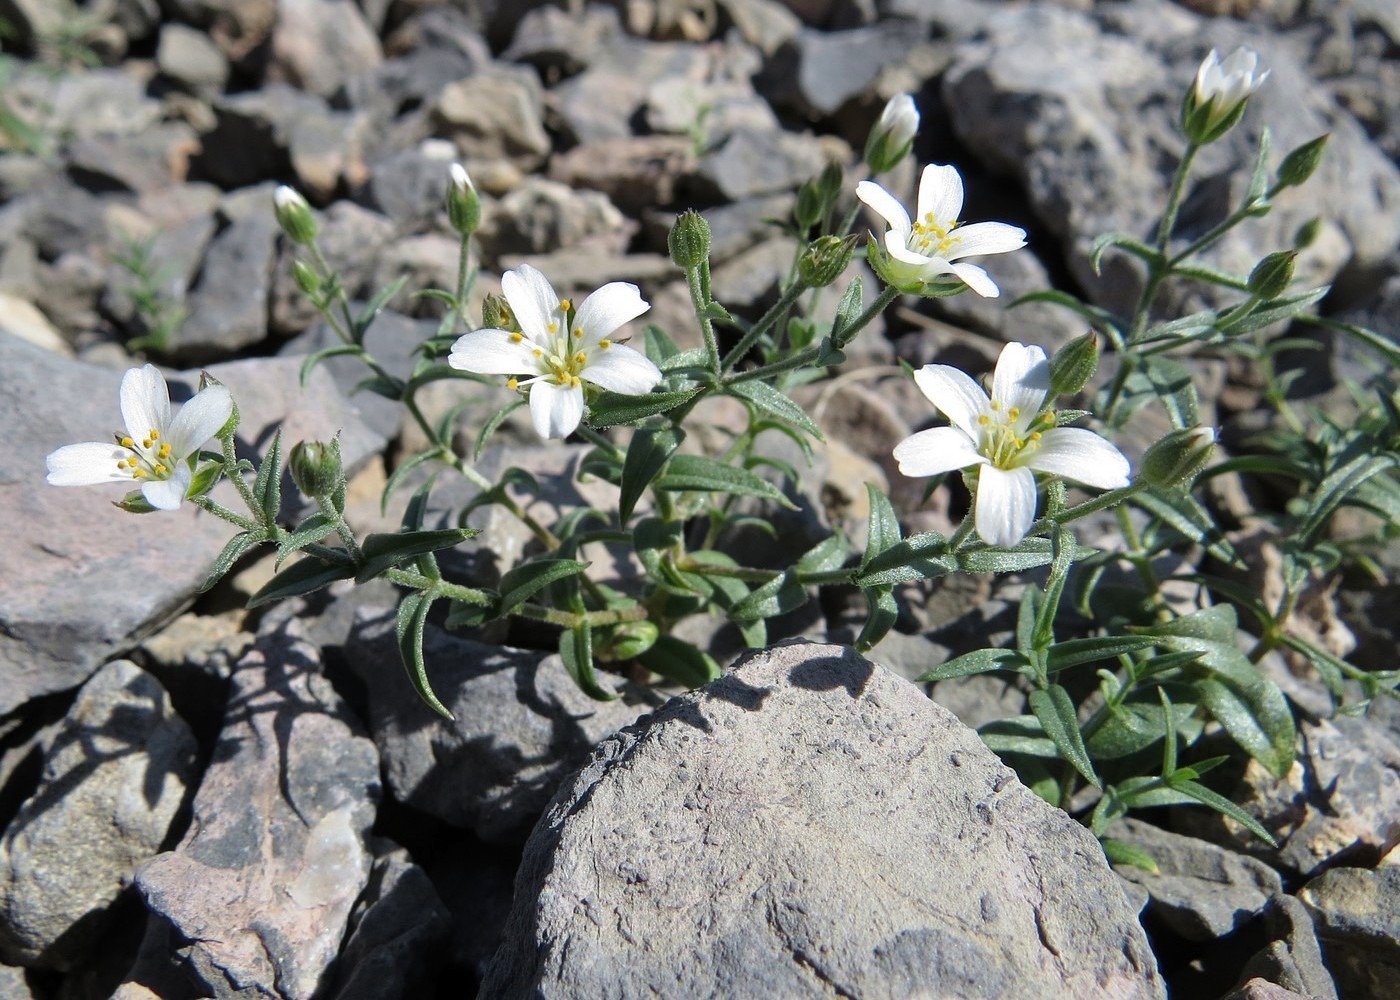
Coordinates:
<point>155,449</point>
<point>1009,437</point>
<point>1221,87</point>
<point>929,245</point>
<point>559,348</point>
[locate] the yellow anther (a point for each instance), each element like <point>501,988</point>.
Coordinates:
<point>516,338</point>
<point>580,358</point>
<point>579,333</point>
<point>565,305</point>
<point>553,327</point>
<point>1015,413</point>
<point>512,383</point>
<point>147,443</point>
<point>929,219</point>
<point>137,473</point>
<point>995,406</point>
<point>605,344</point>
<point>165,450</point>
<point>538,353</point>
<point>984,420</point>
<point>121,463</point>
<point>1035,435</point>
<point>575,381</point>
<point>155,435</point>
<point>160,469</point>
<point>126,442</point>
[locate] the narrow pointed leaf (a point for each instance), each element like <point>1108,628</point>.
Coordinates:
<point>1053,707</point>
<point>408,626</point>
<point>523,582</point>
<point>646,457</point>
<point>384,550</point>
<point>302,577</point>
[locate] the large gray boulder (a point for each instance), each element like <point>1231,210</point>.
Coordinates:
<point>812,825</point>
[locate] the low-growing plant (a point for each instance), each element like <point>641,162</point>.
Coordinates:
<point>1167,674</point>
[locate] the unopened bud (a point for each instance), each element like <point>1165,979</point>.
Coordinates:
<point>632,639</point>
<point>809,208</point>
<point>1272,275</point>
<point>893,135</point>
<point>231,424</point>
<point>294,215</point>
<point>463,203</point>
<point>306,277</point>
<point>1216,100</point>
<point>496,314</point>
<point>689,240</point>
<point>825,260</point>
<point>315,468</point>
<point>1073,365</point>
<point>1178,458</point>
<point>1307,233</point>
<point>1300,164</point>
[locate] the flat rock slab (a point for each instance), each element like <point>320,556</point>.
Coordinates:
<point>813,825</point>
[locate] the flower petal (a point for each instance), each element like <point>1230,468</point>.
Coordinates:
<point>1081,455</point>
<point>555,409</point>
<point>1021,380</point>
<point>608,308</point>
<point>533,301</point>
<point>1005,505</point>
<point>977,279</point>
<point>168,494</point>
<point>896,243</point>
<point>199,420</point>
<point>145,401</point>
<point>931,452</point>
<point>494,352</point>
<point>85,464</point>
<point>985,237</point>
<point>956,396</point>
<point>885,205</point>
<point>940,195</point>
<point>621,369</point>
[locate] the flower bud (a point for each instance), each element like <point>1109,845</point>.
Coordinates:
<point>231,424</point>
<point>1272,275</point>
<point>1300,164</point>
<point>463,203</point>
<point>1307,233</point>
<point>1073,365</point>
<point>809,208</point>
<point>689,240</point>
<point>632,639</point>
<point>315,468</point>
<point>496,314</point>
<point>294,215</point>
<point>306,278</point>
<point>1178,458</point>
<point>1216,100</point>
<point>825,260</point>
<point>893,135</point>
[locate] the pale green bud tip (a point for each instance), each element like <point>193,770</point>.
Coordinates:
<point>1178,458</point>
<point>689,240</point>
<point>463,203</point>
<point>294,215</point>
<point>315,468</point>
<point>825,260</point>
<point>1073,365</point>
<point>1218,95</point>
<point>306,277</point>
<point>1272,275</point>
<point>893,135</point>
<point>1302,162</point>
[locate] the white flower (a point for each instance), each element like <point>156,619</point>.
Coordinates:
<point>155,450</point>
<point>1009,437</point>
<point>927,246</point>
<point>1220,88</point>
<point>893,135</point>
<point>560,348</point>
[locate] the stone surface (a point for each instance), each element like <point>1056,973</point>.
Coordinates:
<point>521,725</point>
<point>1262,989</point>
<point>811,825</point>
<point>1293,959</point>
<point>494,116</point>
<point>114,777</point>
<point>1200,891</point>
<point>263,885</point>
<point>1357,913</point>
<point>318,44</point>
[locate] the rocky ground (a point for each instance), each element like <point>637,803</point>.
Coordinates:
<point>203,801</point>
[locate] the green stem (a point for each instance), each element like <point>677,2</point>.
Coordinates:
<point>1142,563</point>
<point>700,298</point>
<point>245,492</point>
<point>782,306</point>
<point>220,511</point>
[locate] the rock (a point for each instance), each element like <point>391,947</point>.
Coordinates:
<point>494,115</point>
<point>191,59</point>
<point>95,580</point>
<point>154,159</point>
<point>399,927</point>
<point>60,217</point>
<point>764,24</point>
<point>318,44</point>
<point>602,102</point>
<point>236,26</point>
<point>1293,959</point>
<point>543,215</point>
<point>1199,890</point>
<point>812,825</point>
<point>353,240</point>
<point>521,725</point>
<point>1262,989</point>
<point>263,885</point>
<point>114,778</point>
<point>1357,913</point>
<point>561,43</point>
<point>15,984</point>
<point>749,279</point>
<point>751,163</point>
<point>21,319</point>
<point>635,173</point>
<point>820,71</point>
<point>408,186</point>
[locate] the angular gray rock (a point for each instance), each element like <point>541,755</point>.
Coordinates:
<point>318,44</point>
<point>1293,959</point>
<point>1200,891</point>
<point>812,825</point>
<point>263,885</point>
<point>114,778</point>
<point>521,725</point>
<point>1357,914</point>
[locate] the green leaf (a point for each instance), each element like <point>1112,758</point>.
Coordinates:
<point>1053,707</point>
<point>884,612</point>
<point>1123,242</point>
<point>313,529</point>
<point>302,577</point>
<point>1183,514</point>
<point>827,555</point>
<point>1043,635</point>
<point>408,627</point>
<point>524,581</point>
<point>397,477</point>
<point>979,661</point>
<point>236,547</point>
<point>310,362</point>
<point>425,374</point>
<point>612,408</point>
<point>1215,624</point>
<point>1028,554</point>
<point>921,557</point>
<point>1210,276</point>
<point>1274,311</point>
<point>696,472</point>
<point>680,661</point>
<point>1073,652</point>
<point>776,597</point>
<point>372,308</point>
<point>1120,852</point>
<point>693,359</point>
<point>576,650</point>
<point>267,486</point>
<point>847,311</point>
<point>658,344</point>
<point>1021,734</point>
<point>884,532</point>
<point>647,454</point>
<point>1377,342</point>
<point>1175,386</point>
<point>384,550</point>
<point>770,400</point>
<point>1222,805</point>
<point>1336,488</point>
<point>1256,717</point>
